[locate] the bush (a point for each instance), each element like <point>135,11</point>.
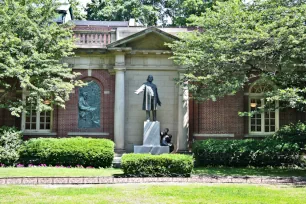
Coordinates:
<point>68,152</point>
<point>245,152</point>
<point>294,133</point>
<point>145,165</point>
<point>10,142</point>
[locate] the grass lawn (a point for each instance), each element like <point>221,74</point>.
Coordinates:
<point>228,171</point>
<point>152,193</point>
<point>219,171</point>
<point>54,171</point>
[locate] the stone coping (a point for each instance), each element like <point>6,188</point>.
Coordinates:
<point>192,179</point>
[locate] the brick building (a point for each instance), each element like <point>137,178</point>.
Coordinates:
<point>118,59</point>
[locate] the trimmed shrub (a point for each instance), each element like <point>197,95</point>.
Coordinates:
<point>294,133</point>
<point>68,152</point>
<point>245,152</point>
<point>10,142</point>
<point>145,165</point>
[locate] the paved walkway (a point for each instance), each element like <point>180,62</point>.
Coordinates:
<point>192,179</point>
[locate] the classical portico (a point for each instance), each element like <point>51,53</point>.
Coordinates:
<point>137,56</point>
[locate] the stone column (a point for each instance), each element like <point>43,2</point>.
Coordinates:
<point>183,118</point>
<point>119,104</point>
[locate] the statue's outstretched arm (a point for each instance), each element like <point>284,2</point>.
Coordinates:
<point>141,89</point>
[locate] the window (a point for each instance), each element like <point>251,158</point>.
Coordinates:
<point>266,117</point>
<point>35,121</point>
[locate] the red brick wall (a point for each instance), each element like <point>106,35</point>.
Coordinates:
<point>290,115</point>
<point>219,117</point>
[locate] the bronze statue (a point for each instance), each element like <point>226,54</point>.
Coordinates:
<point>150,97</point>
<point>166,139</point>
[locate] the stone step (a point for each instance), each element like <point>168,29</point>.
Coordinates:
<point>117,162</point>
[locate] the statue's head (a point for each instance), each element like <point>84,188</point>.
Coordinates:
<point>150,78</point>
<point>85,95</point>
<point>166,130</point>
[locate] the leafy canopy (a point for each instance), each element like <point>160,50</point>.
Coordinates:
<point>147,12</point>
<point>240,42</point>
<point>31,49</point>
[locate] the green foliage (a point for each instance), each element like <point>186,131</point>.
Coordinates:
<point>148,12</point>
<point>78,14</point>
<point>238,42</point>
<point>10,142</point>
<point>147,165</point>
<point>120,10</point>
<point>31,49</point>
<point>293,133</point>
<point>245,152</point>
<point>68,152</point>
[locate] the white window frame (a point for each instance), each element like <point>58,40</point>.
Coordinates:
<point>23,119</point>
<point>262,99</point>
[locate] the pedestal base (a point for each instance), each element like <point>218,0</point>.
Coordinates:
<point>151,139</point>
<point>151,149</point>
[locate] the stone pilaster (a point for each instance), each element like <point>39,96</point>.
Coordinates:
<point>119,103</point>
<point>183,118</point>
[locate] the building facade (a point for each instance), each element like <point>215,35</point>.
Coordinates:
<point>115,60</point>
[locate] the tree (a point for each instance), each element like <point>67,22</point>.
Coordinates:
<point>78,12</point>
<point>238,42</point>
<point>148,12</point>
<point>121,10</point>
<point>31,49</point>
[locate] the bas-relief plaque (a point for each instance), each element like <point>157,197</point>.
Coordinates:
<point>89,106</point>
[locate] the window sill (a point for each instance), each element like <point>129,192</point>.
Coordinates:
<point>39,133</point>
<point>258,135</point>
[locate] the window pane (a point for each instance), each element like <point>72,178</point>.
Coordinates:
<point>272,128</point>
<point>252,121</point>
<point>258,121</point>
<point>48,126</point>
<point>42,126</point>
<point>28,125</point>
<point>259,128</point>
<point>267,122</point>
<point>266,128</point>
<point>253,128</point>
<point>48,119</point>
<point>33,126</point>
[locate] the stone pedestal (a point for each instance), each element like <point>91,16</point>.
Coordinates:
<point>151,139</point>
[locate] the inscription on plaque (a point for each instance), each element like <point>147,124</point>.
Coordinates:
<point>89,106</point>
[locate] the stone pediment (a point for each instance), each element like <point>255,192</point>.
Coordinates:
<point>149,39</point>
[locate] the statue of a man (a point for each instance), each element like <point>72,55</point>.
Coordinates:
<point>150,97</point>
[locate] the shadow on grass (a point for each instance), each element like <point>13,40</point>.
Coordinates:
<point>250,171</point>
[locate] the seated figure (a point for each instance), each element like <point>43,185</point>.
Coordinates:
<point>166,141</point>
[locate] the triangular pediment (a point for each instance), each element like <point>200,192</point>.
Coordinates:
<point>148,39</point>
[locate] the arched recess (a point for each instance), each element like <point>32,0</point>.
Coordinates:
<point>90,104</point>
<point>265,119</point>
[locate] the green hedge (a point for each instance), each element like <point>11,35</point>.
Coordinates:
<point>245,152</point>
<point>68,152</point>
<point>10,142</point>
<point>293,133</point>
<point>144,165</point>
